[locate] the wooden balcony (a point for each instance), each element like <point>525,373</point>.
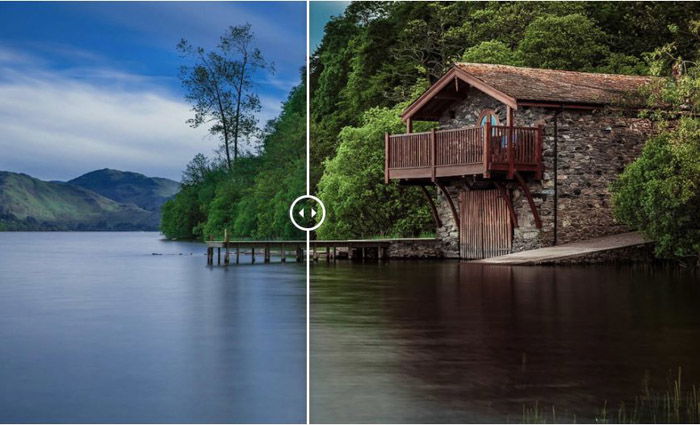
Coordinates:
<point>485,151</point>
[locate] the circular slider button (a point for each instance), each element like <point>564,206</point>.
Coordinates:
<point>307,213</point>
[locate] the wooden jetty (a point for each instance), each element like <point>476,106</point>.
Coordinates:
<point>329,249</point>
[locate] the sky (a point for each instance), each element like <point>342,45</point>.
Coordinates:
<point>85,86</point>
<point>320,13</point>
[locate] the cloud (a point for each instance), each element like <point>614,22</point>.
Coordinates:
<point>57,126</point>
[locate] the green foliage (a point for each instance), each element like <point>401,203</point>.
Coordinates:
<point>571,42</point>
<point>251,200</point>
<point>358,203</point>
<point>659,193</point>
<point>492,51</point>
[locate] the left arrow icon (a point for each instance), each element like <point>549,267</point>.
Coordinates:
<point>301,212</point>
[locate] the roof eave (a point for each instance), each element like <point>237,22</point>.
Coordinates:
<point>456,72</point>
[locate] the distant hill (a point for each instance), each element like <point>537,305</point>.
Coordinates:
<point>149,193</point>
<point>27,203</point>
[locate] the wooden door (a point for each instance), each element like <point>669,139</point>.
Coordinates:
<point>486,229</point>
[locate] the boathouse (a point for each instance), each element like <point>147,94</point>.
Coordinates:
<point>522,158</point>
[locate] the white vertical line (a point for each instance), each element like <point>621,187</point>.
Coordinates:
<point>308,192</point>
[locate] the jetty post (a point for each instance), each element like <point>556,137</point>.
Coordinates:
<point>226,241</point>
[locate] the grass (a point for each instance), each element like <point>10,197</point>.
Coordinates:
<point>674,405</point>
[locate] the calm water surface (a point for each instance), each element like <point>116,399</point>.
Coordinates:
<point>94,328</point>
<point>453,342</point>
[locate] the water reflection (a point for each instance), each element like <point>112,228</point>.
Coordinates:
<point>96,329</point>
<point>455,342</point>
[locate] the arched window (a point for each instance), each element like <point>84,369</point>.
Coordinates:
<point>488,115</point>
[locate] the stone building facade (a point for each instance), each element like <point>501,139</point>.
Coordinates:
<point>594,142</point>
<point>593,147</point>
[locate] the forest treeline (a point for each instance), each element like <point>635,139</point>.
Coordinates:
<point>378,56</point>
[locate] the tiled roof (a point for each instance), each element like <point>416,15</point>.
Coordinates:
<point>551,85</point>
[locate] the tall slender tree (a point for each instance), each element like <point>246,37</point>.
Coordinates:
<point>221,88</point>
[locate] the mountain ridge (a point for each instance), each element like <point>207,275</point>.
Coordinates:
<point>28,203</point>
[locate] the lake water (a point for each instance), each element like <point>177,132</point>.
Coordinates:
<point>454,342</point>
<point>94,328</point>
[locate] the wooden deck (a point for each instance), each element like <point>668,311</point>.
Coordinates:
<point>463,151</point>
<point>233,251</point>
<point>566,251</point>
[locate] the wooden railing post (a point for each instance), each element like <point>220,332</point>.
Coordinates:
<point>511,153</point>
<point>538,151</point>
<point>433,154</point>
<point>487,150</point>
<point>386,158</point>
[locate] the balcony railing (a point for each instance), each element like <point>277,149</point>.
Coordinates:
<point>464,151</point>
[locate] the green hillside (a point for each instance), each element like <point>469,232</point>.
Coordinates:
<point>149,193</point>
<point>27,203</point>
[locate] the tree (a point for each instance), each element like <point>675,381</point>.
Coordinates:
<point>493,51</point>
<point>221,88</point>
<point>659,193</point>
<point>358,202</point>
<point>571,42</point>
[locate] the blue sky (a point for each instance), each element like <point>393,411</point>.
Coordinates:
<point>85,86</point>
<point>320,13</point>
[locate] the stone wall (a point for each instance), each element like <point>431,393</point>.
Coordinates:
<point>415,248</point>
<point>593,148</point>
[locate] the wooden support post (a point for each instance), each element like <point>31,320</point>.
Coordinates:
<point>386,158</point>
<point>433,209</point>
<point>210,252</point>
<point>299,254</point>
<point>528,195</point>
<point>409,126</point>
<point>218,256</point>
<point>487,150</point>
<point>238,252</point>
<point>266,253</point>
<point>362,254</point>
<point>538,152</point>
<point>335,254</point>
<point>252,255</point>
<point>283,253</point>
<point>226,247</point>
<point>432,155</point>
<point>350,252</point>
<point>328,254</point>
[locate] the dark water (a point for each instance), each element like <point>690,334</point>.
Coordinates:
<point>93,328</point>
<point>451,342</point>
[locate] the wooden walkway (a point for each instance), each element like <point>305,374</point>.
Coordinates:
<point>223,252</point>
<point>570,250</point>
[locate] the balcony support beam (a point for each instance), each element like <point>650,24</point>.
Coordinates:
<point>528,195</point>
<point>433,208</point>
<point>505,194</point>
<point>447,196</point>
